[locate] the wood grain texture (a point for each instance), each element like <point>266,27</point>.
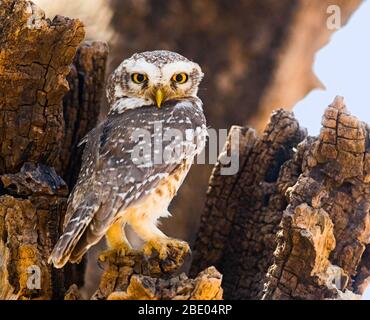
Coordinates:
<point>40,126</point>
<point>82,104</point>
<point>35,58</point>
<point>295,219</point>
<point>134,276</point>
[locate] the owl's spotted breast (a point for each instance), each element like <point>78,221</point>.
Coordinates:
<point>155,204</point>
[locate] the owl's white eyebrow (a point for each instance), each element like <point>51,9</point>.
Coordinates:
<point>179,66</point>
<point>141,66</point>
<point>127,103</point>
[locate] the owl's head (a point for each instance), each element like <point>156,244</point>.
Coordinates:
<point>154,77</point>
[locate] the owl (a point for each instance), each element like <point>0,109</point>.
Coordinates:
<point>134,162</point>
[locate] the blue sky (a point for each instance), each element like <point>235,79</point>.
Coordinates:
<point>343,66</point>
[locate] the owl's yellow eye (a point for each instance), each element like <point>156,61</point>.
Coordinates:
<point>180,77</point>
<point>139,77</point>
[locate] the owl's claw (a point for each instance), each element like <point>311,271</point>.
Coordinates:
<point>112,255</point>
<point>166,248</point>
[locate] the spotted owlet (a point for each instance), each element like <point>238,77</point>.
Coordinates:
<point>136,159</point>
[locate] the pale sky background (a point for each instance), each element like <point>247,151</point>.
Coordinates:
<point>343,66</point>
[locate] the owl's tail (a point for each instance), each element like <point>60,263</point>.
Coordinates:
<point>74,230</point>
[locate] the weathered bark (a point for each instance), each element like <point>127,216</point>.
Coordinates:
<point>134,276</point>
<point>82,104</point>
<point>206,286</point>
<point>313,195</point>
<point>30,212</point>
<point>81,108</point>
<point>36,56</point>
<point>326,227</point>
<point>243,211</point>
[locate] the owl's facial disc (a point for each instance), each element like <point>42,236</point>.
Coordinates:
<point>155,77</point>
<point>160,83</point>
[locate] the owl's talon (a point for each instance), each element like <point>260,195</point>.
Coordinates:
<point>166,248</point>
<point>112,255</point>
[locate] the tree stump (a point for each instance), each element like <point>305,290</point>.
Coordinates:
<point>135,277</point>
<point>311,193</point>
<point>37,133</point>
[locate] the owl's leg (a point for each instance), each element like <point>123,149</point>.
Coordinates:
<point>156,240</point>
<point>116,236</point>
<point>117,242</point>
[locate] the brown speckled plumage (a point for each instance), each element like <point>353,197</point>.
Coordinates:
<point>159,57</point>
<point>112,186</point>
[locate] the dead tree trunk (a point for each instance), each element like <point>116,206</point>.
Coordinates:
<point>310,193</point>
<point>36,55</point>
<point>81,110</point>
<point>32,203</point>
<point>82,104</point>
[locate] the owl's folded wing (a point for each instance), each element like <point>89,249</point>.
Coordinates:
<point>117,173</point>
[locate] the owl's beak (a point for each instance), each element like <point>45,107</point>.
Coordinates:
<point>159,97</point>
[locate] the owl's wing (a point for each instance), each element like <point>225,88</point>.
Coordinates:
<point>111,176</point>
<point>85,178</point>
